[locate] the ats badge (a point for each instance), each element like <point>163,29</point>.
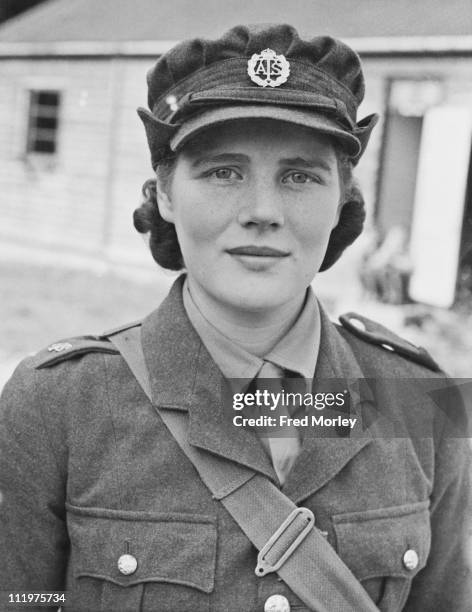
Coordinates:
<point>268,69</point>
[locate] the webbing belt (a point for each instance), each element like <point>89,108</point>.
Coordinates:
<point>284,534</point>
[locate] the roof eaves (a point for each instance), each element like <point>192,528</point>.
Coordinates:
<point>392,45</point>
<point>385,45</point>
<point>85,48</point>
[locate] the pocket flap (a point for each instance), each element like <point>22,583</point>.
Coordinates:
<point>385,542</point>
<point>168,547</point>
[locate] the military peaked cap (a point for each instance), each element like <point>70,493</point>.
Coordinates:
<point>256,72</point>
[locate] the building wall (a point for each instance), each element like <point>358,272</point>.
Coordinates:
<point>131,164</point>
<point>80,199</point>
<point>53,199</point>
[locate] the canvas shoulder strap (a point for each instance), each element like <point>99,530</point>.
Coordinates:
<point>285,535</point>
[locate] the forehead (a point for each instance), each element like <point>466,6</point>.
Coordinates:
<point>261,136</point>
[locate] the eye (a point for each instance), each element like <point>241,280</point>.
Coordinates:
<point>299,178</point>
<point>224,174</point>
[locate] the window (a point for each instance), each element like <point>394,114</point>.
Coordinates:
<point>43,121</point>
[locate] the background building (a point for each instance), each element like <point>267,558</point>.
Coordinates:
<point>10,8</point>
<point>73,155</point>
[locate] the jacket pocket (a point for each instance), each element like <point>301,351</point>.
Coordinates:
<point>385,549</point>
<point>130,561</point>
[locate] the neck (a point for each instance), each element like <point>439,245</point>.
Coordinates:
<point>255,331</point>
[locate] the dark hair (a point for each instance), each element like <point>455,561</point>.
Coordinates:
<point>163,241</point>
<point>164,244</point>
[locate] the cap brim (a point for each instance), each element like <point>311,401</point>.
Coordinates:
<point>193,125</point>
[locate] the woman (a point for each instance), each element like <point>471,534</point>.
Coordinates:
<point>253,138</point>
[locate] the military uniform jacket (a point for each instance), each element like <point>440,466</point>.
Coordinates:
<point>89,473</point>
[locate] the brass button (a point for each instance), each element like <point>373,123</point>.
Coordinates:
<point>357,323</point>
<point>411,559</point>
<point>276,603</point>
<point>127,564</point>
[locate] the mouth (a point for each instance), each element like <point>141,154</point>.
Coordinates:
<point>256,251</point>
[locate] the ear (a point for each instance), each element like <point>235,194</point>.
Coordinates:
<point>164,204</point>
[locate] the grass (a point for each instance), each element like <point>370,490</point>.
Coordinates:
<point>41,304</point>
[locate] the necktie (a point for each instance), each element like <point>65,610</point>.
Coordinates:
<point>283,447</point>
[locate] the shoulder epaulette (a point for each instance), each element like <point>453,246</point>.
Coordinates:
<point>377,334</point>
<point>74,347</point>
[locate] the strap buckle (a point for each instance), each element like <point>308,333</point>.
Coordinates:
<point>283,542</point>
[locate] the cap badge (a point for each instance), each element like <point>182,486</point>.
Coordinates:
<point>268,69</point>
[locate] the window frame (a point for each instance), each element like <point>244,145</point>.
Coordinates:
<point>37,110</point>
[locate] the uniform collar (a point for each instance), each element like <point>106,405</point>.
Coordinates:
<point>297,350</point>
<point>184,376</point>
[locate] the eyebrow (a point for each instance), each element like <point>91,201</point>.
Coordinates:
<point>301,162</point>
<point>220,158</point>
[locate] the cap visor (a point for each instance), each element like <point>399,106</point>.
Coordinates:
<point>192,126</point>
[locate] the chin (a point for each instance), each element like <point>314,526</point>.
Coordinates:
<point>260,298</point>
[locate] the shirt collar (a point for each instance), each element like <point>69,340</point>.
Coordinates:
<point>296,351</point>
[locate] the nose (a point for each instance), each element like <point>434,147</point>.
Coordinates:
<point>262,206</point>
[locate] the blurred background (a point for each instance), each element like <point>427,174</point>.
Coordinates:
<point>73,157</point>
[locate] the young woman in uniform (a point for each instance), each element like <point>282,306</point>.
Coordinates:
<point>253,139</point>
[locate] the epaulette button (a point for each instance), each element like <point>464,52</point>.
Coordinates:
<point>358,323</point>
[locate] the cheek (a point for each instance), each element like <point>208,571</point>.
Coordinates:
<point>198,224</point>
<point>314,224</point>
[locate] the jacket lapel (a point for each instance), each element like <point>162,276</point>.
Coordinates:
<point>322,457</point>
<point>184,377</point>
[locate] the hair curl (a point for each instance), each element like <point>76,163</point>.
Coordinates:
<point>164,243</point>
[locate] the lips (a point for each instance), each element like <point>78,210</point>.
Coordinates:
<point>256,251</point>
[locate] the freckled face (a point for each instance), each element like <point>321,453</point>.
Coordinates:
<point>254,203</point>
